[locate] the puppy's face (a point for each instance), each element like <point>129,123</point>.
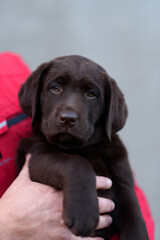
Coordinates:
<point>73,102</point>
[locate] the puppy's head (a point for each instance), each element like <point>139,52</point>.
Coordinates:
<point>73,102</point>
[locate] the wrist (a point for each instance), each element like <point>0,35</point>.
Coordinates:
<point>7,223</point>
<point>11,225</point>
<point>4,223</point>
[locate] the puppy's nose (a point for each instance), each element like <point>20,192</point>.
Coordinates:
<point>68,118</point>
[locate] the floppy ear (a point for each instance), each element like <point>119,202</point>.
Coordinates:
<point>29,93</point>
<point>117,109</point>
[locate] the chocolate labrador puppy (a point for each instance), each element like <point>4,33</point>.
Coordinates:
<point>76,110</point>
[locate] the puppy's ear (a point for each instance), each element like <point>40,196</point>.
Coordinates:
<point>29,93</point>
<point>117,109</point>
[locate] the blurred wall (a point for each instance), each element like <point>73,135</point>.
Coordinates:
<point>124,37</point>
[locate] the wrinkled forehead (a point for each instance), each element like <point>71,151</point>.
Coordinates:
<point>77,68</point>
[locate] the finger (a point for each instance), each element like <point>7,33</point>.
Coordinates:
<point>94,238</point>
<point>28,156</point>
<point>98,238</point>
<point>105,205</point>
<point>25,171</point>
<point>103,182</point>
<point>104,221</point>
<point>88,238</point>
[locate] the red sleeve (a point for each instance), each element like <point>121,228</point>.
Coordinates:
<point>13,72</point>
<point>146,212</point>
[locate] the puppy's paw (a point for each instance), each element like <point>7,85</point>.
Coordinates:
<point>81,218</point>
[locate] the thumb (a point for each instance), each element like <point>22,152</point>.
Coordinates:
<point>88,238</point>
<point>25,171</point>
<point>28,156</point>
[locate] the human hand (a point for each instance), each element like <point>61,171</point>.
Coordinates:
<point>31,210</point>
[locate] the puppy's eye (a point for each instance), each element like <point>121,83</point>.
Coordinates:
<point>91,94</point>
<point>56,88</point>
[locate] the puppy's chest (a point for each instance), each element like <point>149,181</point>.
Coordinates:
<point>99,166</point>
<point>101,169</point>
<point>99,163</point>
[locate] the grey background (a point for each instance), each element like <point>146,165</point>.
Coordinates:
<point>124,37</point>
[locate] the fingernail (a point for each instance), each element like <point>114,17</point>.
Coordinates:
<point>109,182</point>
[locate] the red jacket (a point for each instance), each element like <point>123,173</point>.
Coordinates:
<point>14,125</point>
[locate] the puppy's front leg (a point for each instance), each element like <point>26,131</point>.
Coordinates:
<point>75,176</point>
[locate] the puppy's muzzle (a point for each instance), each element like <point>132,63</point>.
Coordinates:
<point>68,118</point>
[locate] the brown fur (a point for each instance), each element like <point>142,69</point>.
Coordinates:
<point>76,110</point>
